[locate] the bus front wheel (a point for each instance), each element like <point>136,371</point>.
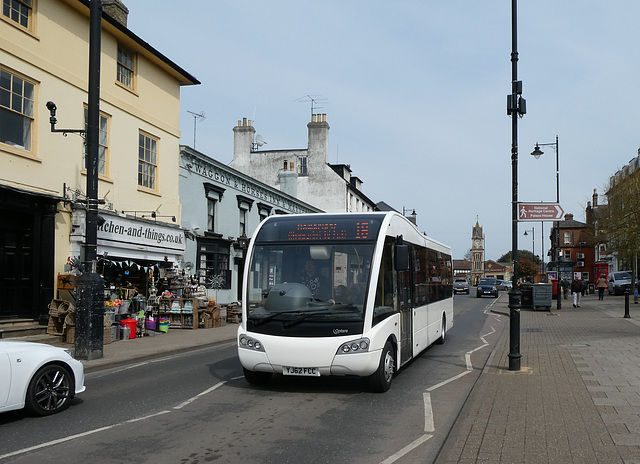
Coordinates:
<point>381,378</point>
<point>256,378</point>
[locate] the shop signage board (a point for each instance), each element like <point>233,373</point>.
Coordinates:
<point>134,237</point>
<point>539,212</point>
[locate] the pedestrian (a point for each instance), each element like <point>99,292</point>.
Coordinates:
<point>601,284</point>
<point>565,287</point>
<point>576,289</point>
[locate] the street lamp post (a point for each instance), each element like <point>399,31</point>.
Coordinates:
<point>516,108</point>
<point>536,154</point>
<point>89,332</point>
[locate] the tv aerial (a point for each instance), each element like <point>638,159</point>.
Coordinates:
<point>196,116</point>
<point>314,99</point>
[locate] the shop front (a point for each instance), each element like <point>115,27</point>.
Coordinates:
<point>145,280</point>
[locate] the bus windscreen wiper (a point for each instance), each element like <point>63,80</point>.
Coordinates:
<point>298,320</point>
<point>259,322</point>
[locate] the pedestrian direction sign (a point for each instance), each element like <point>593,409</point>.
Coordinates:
<point>539,212</point>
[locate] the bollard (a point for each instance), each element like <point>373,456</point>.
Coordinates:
<point>626,304</point>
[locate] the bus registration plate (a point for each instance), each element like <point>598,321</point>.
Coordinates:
<point>305,371</point>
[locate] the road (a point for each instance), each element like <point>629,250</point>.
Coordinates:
<point>196,407</point>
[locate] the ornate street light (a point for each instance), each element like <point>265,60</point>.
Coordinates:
<point>536,153</point>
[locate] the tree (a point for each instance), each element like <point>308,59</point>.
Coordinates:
<point>527,268</point>
<point>522,254</point>
<point>621,224</point>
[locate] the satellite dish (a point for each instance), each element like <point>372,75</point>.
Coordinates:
<point>259,140</point>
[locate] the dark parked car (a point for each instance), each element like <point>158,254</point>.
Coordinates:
<point>461,285</point>
<point>487,286</point>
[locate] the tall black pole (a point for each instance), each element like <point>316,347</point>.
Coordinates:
<point>514,294</point>
<point>90,298</point>
<point>558,290</point>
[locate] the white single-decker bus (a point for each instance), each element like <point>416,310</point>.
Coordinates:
<point>356,294</point>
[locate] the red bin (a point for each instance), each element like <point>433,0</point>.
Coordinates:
<point>132,324</point>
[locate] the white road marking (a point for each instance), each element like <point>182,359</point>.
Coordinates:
<point>410,447</point>
<point>428,409</point>
<point>428,413</point>
<point>76,436</point>
<point>108,427</point>
<point>191,400</point>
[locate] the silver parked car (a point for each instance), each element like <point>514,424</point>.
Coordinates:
<point>619,282</point>
<point>461,285</point>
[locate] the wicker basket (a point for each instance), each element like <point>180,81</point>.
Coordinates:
<point>56,325</point>
<point>59,308</point>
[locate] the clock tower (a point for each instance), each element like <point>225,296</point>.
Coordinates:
<point>477,254</point>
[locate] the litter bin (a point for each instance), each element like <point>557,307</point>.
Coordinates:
<point>526,295</point>
<point>131,324</point>
<point>592,288</point>
<point>541,295</point>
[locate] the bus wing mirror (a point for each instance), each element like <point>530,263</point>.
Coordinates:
<point>402,258</point>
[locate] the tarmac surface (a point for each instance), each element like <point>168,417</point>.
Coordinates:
<point>576,398</point>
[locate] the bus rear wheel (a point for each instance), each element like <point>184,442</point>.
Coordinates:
<point>256,378</point>
<point>381,379</point>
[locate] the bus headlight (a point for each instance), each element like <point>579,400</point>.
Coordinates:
<point>354,346</point>
<point>250,343</point>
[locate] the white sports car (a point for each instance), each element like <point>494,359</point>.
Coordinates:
<point>42,378</point>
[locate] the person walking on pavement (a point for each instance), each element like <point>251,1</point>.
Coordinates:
<point>601,284</point>
<point>565,287</point>
<point>576,289</point>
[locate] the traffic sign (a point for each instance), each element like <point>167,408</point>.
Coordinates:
<point>539,212</point>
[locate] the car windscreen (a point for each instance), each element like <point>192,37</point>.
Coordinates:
<point>622,276</point>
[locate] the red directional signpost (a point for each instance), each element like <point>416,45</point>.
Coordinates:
<point>539,212</point>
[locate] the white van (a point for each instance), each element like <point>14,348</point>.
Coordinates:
<point>619,282</point>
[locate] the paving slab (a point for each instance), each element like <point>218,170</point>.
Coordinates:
<point>575,398</point>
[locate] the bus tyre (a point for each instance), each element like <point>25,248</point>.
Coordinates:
<point>256,378</point>
<point>381,378</point>
<point>443,333</point>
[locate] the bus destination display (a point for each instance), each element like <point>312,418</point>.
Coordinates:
<point>330,231</point>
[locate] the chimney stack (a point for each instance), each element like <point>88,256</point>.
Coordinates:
<point>318,145</point>
<point>243,135</point>
<point>288,179</point>
<point>116,10</point>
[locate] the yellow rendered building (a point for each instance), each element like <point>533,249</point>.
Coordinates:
<point>44,57</point>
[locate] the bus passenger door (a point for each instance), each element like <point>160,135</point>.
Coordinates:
<point>405,303</point>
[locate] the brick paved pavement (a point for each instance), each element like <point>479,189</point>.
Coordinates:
<point>576,398</point>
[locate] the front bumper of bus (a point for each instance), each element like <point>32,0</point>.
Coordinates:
<point>273,354</point>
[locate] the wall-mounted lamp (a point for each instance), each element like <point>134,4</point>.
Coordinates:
<point>52,119</point>
<point>242,242</point>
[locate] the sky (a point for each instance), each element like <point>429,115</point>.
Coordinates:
<point>415,96</point>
